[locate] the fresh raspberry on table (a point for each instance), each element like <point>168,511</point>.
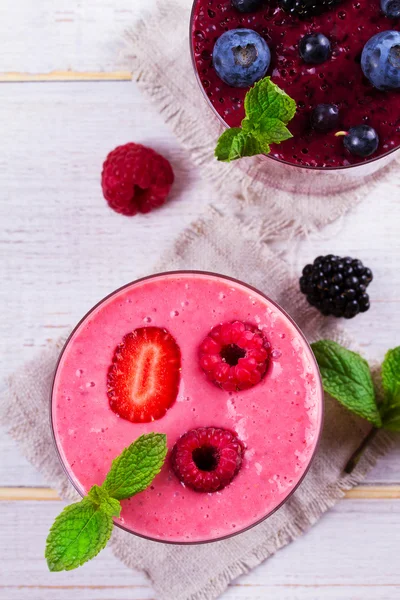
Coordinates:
<point>207,459</point>
<point>136,179</point>
<point>235,356</point>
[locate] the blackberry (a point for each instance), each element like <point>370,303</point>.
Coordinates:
<point>307,8</point>
<point>337,286</point>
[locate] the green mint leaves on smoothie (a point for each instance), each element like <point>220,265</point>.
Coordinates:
<point>134,470</point>
<point>346,376</point>
<point>268,110</point>
<point>78,535</point>
<point>83,529</point>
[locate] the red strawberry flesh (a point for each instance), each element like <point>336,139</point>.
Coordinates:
<point>143,379</point>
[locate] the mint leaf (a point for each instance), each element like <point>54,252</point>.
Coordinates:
<point>390,410</point>
<point>391,376</point>
<point>77,535</point>
<point>134,470</point>
<point>391,416</point>
<point>100,497</point>
<point>236,143</point>
<point>244,144</point>
<point>267,100</point>
<point>346,376</point>
<point>84,528</point>
<point>268,110</point>
<point>224,145</point>
<point>274,130</point>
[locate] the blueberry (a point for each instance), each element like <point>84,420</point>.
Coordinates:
<point>247,6</point>
<point>361,140</point>
<point>391,8</point>
<point>241,57</point>
<point>325,117</point>
<point>315,48</point>
<point>380,60</point>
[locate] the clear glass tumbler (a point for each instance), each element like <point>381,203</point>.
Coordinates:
<point>280,174</point>
<point>88,434</point>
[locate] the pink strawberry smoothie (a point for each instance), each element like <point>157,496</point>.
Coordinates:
<point>278,420</point>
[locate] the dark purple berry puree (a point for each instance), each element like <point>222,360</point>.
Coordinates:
<point>339,80</point>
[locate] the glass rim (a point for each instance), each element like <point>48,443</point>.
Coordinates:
<point>253,289</point>
<point>266,157</point>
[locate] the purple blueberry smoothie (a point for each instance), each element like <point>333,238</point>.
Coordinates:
<point>339,80</point>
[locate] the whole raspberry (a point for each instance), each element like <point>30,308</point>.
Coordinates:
<point>235,356</point>
<point>136,179</point>
<point>207,459</point>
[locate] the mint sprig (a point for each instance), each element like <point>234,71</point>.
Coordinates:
<point>347,378</point>
<point>83,529</point>
<point>268,110</point>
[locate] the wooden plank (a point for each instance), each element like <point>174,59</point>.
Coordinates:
<point>29,494</point>
<point>40,37</point>
<point>248,592</point>
<point>65,76</point>
<point>370,492</point>
<point>308,569</point>
<point>65,249</point>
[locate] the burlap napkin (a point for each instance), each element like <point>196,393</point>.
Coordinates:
<point>229,241</point>
<point>217,242</point>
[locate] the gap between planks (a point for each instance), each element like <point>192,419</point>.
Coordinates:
<point>55,76</point>
<point>362,492</point>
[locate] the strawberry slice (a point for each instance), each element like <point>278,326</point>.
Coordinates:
<point>143,379</point>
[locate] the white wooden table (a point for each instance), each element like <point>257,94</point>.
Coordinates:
<point>66,99</point>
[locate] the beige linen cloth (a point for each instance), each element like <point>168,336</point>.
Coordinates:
<point>229,240</point>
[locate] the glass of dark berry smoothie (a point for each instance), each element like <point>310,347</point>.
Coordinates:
<point>338,59</point>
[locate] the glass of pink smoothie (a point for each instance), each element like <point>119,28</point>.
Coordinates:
<point>278,420</point>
